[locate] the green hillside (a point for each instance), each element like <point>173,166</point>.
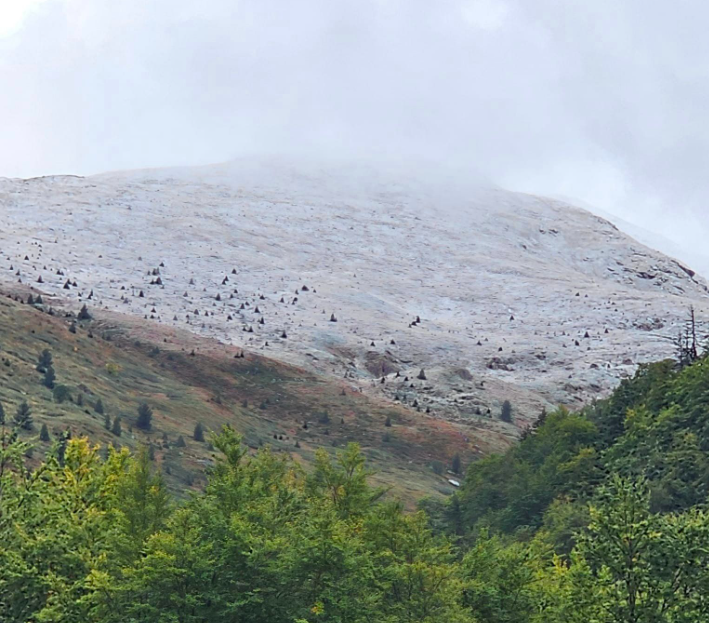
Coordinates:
<point>598,516</point>
<point>185,381</point>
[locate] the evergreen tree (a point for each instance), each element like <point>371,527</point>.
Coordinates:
<point>23,416</point>
<point>44,433</point>
<point>180,443</point>
<point>84,314</point>
<point>98,407</point>
<point>116,428</point>
<point>44,360</point>
<point>145,417</point>
<point>2,415</point>
<point>455,464</point>
<point>107,422</point>
<point>198,432</point>
<point>506,413</point>
<point>387,422</point>
<point>49,377</point>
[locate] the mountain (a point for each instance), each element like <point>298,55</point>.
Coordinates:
<point>362,273</point>
<point>187,380</point>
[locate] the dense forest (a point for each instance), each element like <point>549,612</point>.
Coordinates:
<point>596,517</point>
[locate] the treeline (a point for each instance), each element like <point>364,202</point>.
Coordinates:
<point>595,517</point>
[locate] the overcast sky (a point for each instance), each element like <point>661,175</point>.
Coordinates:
<point>606,101</point>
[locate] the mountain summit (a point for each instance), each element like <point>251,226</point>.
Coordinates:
<point>443,294</point>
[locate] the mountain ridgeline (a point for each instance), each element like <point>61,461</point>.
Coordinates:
<point>598,515</point>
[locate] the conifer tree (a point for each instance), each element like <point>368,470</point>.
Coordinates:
<point>84,314</point>
<point>506,414</point>
<point>145,417</point>
<point>44,360</point>
<point>49,377</point>
<point>455,464</point>
<point>23,416</point>
<point>44,433</point>
<point>198,432</point>
<point>116,428</point>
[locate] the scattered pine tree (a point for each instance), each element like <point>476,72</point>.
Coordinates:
<point>145,417</point>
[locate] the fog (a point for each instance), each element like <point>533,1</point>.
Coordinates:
<point>603,102</point>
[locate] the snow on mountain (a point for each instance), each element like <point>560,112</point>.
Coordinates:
<point>362,272</point>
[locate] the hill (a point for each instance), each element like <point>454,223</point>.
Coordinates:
<point>186,380</point>
<point>362,272</point>
<point>621,489</point>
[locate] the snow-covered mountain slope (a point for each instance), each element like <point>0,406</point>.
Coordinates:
<point>362,272</point>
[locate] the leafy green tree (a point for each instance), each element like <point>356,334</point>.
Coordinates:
<point>501,580</point>
<point>633,566</point>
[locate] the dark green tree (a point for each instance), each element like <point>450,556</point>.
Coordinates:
<point>506,413</point>
<point>44,433</point>
<point>116,428</point>
<point>455,464</point>
<point>61,393</point>
<point>49,377</point>
<point>198,432</point>
<point>145,417</point>
<point>84,314</point>
<point>44,360</point>
<point>98,407</point>
<point>23,416</point>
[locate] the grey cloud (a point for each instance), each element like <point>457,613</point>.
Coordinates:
<point>605,101</point>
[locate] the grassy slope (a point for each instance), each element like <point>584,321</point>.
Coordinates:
<point>122,365</point>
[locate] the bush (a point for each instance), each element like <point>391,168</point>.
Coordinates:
<point>61,393</point>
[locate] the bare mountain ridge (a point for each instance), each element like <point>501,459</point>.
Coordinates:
<point>372,274</point>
